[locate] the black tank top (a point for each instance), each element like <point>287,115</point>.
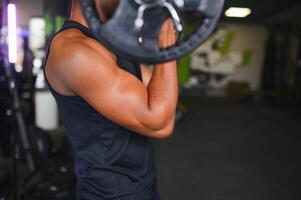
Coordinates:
<point>111,162</point>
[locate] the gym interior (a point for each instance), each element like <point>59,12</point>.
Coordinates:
<point>238,118</point>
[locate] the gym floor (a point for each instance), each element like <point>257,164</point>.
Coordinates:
<point>221,150</point>
<point>225,150</point>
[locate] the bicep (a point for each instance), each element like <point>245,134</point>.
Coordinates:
<point>116,94</point>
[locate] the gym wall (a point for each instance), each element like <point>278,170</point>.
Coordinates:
<point>234,51</point>
<point>251,37</point>
<point>29,9</point>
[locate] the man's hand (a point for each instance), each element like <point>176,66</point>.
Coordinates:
<point>167,36</point>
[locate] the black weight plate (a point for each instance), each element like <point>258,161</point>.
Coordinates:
<point>120,36</point>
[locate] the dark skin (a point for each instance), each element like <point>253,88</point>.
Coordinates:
<point>106,8</point>
<point>79,65</point>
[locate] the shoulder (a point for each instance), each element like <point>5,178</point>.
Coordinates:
<point>72,50</point>
<point>75,59</point>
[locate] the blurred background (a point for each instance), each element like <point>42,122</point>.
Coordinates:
<point>238,122</point>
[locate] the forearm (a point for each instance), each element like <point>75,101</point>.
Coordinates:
<point>163,86</point>
<point>163,93</point>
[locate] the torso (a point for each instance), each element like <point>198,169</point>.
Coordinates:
<point>111,162</point>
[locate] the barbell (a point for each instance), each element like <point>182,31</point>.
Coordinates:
<point>133,30</point>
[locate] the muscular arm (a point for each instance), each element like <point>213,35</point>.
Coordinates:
<point>120,96</point>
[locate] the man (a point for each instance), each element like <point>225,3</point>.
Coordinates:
<point>111,107</point>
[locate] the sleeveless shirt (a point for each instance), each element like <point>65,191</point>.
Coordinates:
<point>111,162</point>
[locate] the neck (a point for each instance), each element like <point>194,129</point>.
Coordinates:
<point>77,15</point>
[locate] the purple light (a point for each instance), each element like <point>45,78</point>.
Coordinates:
<point>12,33</point>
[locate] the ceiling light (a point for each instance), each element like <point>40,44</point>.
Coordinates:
<point>238,12</point>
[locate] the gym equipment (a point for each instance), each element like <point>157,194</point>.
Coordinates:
<point>19,140</point>
<point>132,31</point>
<point>5,126</point>
<point>59,171</point>
<point>15,103</point>
<point>47,117</point>
<point>49,190</point>
<point>57,181</point>
<point>41,145</point>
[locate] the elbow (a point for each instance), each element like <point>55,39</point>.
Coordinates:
<point>165,132</point>
<point>161,127</point>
